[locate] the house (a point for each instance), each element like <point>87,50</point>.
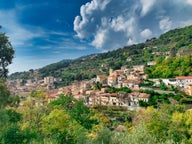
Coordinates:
<point>135,97</point>
<point>171,81</point>
<point>139,68</point>
<point>144,97</point>
<point>183,81</point>
<point>48,80</point>
<point>112,80</point>
<point>188,90</point>
<point>107,99</point>
<point>101,79</point>
<point>132,84</point>
<point>151,63</point>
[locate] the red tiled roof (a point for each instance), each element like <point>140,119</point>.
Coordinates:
<point>184,77</point>
<point>144,95</point>
<point>112,77</point>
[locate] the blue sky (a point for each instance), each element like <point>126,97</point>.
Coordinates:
<point>47,31</point>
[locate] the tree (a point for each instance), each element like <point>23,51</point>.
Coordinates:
<point>4,94</point>
<point>38,94</point>
<point>6,55</point>
<point>14,135</point>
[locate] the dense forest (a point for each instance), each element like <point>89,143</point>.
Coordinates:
<point>168,44</point>
<point>69,121</point>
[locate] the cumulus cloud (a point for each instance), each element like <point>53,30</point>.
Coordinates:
<point>165,24</point>
<point>110,24</point>
<point>146,33</point>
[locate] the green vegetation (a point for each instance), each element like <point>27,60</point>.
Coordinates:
<point>171,67</point>
<point>89,66</point>
<point>157,99</point>
<point>6,55</point>
<point>147,83</point>
<point>69,121</point>
<point>123,89</point>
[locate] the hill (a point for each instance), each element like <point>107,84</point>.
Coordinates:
<point>177,42</point>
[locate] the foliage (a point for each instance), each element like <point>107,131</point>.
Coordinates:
<point>67,120</point>
<point>76,109</point>
<point>147,83</point>
<point>164,98</point>
<point>14,135</point>
<point>123,89</point>
<point>64,100</point>
<point>5,96</point>
<point>6,55</point>
<point>38,94</point>
<point>171,67</point>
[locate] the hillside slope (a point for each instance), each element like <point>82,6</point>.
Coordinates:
<point>172,43</point>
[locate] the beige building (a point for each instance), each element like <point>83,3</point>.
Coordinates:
<point>188,90</point>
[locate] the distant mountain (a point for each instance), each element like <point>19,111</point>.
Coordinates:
<point>170,44</point>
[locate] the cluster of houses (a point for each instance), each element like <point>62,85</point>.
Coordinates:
<point>182,82</point>
<point>123,99</point>
<point>25,87</point>
<point>124,77</point>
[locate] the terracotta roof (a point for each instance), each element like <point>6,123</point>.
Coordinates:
<point>112,77</point>
<point>184,77</point>
<point>135,93</point>
<point>108,94</point>
<point>137,82</point>
<point>144,95</point>
<point>53,96</point>
<point>127,81</point>
<point>77,96</point>
<point>102,76</point>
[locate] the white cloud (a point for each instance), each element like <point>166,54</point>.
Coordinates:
<point>189,2</point>
<point>165,24</point>
<point>86,12</point>
<point>100,38</point>
<point>110,24</point>
<point>146,6</point>
<point>146,33</point>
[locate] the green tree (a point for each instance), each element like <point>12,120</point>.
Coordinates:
<point>14,135</point>
<point>60,126</point>
<point>82,114</point>
<point>6,55</point>
<point>38,94</point>
<point>5,95</point>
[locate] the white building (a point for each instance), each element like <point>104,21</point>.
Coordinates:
<point>49,80</point>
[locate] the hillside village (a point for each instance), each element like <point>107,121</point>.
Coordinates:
<point>96,90</point>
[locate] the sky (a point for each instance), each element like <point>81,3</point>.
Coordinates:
<point>47,31</point>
